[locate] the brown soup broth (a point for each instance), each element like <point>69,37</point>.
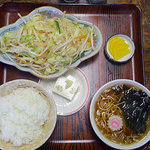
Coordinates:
<point>106,106</point>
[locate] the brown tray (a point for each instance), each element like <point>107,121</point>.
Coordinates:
<point>75,131</point>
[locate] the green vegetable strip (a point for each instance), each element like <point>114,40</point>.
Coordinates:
<point>57,24</point>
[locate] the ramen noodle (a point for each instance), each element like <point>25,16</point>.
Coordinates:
<point>111,102</point>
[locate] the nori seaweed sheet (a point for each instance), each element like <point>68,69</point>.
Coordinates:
<point>135,106</point>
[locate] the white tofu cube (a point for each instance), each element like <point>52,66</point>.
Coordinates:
<point>66,87</point>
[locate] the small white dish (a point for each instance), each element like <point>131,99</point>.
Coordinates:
<point>64,106</point>
<point>126,57</point>
<point>93,123</point>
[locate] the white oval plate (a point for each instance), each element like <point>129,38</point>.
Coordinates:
<point>50,12</point>
<point>64,106</point>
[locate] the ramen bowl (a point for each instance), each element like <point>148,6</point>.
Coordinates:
<point>45,130</point>
<point>99,130</point>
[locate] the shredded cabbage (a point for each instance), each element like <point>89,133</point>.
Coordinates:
<point>47,45</point>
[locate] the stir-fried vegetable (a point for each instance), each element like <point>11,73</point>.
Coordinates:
<point>47,45</point>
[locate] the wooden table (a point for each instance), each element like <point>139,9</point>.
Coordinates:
<point>57,144</point>
<point>145,7</point>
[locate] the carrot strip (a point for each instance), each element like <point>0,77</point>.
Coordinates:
<point>83,36</point>
<point>21,60</point>
<point>42,31</point>
<point>90,41</point>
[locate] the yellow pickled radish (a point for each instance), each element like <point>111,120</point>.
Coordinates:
<point>118,47</point>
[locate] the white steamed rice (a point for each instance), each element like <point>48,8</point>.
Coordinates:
<point>22,115</point>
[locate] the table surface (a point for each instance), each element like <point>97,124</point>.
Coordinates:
<point>145,7</point>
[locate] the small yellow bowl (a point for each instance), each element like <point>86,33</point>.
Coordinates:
<point>131,47</point>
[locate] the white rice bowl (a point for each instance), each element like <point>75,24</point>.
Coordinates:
<point>29,123</point>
